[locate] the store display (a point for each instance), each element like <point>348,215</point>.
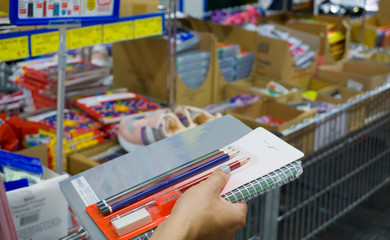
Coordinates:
<point>39,78</point>
<point>134,152</point>
<point>29,12</point>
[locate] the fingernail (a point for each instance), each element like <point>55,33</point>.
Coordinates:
<point>225,168</point>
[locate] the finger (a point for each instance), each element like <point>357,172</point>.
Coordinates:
<point>217,180</point>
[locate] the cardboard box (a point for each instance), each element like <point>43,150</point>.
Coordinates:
<point>289,115</point>
<point>319,29</point>
<point>39,151</point>
<point>366,73</point>
<point>141,66</point>
<point>132,7</point>
<point>80,161</point>
<point>371,25</point>
<point>40,211</point>
<point>316,84</point>
<point>274,58</point>
<point>355,115</point>
<point>227,34</point>
<point>252,85</point>
<point>302,139</point>
<point>235,35</point>
<point>325,94</point>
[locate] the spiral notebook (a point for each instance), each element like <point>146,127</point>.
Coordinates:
<point>122,173</point>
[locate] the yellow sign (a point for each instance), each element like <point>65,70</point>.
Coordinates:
<point>84,37</point>
<point>114,32</point>
<point>14,48</point>
<point>44,43</point>
<point>148,27</point>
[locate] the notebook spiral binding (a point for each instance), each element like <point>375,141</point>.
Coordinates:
<point>254,188</point>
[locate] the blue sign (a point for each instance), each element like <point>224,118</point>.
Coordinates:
<point>43,12</point>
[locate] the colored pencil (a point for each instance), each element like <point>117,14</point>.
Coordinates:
<point>110,208</point>
<point>124,194</point>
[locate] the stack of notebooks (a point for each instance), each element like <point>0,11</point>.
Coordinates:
<point>40,78</point>
<point>234,63</point>
<point>80,131</point>
<point>301,53</point>
<point>192,64</point>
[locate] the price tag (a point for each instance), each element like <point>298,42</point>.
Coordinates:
<point>14,48</point>
<point>148,27</point>
<point>114,32</point>
<point>84,37</point>
<point>44,43</point>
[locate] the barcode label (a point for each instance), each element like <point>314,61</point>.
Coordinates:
<point>85,191</point>
<point>29,219</point>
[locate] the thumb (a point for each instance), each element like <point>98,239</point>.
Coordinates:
<point>217,180</point>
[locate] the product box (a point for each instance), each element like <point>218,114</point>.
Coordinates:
<point>132,7</point>
<point>371,26</point>
<point>40,211</point>
<point>246,40</point>
<point>355,114</point>
<point>235,35</point>
<point>141,66</point>
<point>274,58</point>
<point>336,94</point>
<point>316,84</point>
<point>289,115</point>
<point>318,27</point>
<point>254,85</point>
<point>80,161</point>
<point>361,75</point>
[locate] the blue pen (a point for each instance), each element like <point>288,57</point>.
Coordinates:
<point>108,209</point>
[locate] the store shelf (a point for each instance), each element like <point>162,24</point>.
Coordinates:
<point>33,43</point>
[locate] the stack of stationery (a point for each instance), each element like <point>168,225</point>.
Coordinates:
<point>40,78</point>
<point>234,63</point>
<point>112,106</point>
<point>301,53</point>
<point>336,38</point>
<point>80,131</point>
<point>193,67</point>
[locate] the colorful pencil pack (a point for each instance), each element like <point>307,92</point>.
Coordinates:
<point>75,123</point>
<point>112,107</point>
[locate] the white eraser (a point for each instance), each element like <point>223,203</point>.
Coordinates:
<point>132,222</point>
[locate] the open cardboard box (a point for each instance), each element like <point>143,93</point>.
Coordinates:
<point>371,25</point>
<point>289,115</point>
<point>274,58</point>
<point>319,29</point>
<point>79,162</point>
<point>366,73</point>
<point>326,94</point>
<point>141,66</point>
<point>355,115</point>
<point>33,207</point>
<point>227,34</point>
<point>317,84</point>
<point>252,86</point>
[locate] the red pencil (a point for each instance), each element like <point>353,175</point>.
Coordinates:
<point>233,166</point>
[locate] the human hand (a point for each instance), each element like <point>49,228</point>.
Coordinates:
<point>200,213</point>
